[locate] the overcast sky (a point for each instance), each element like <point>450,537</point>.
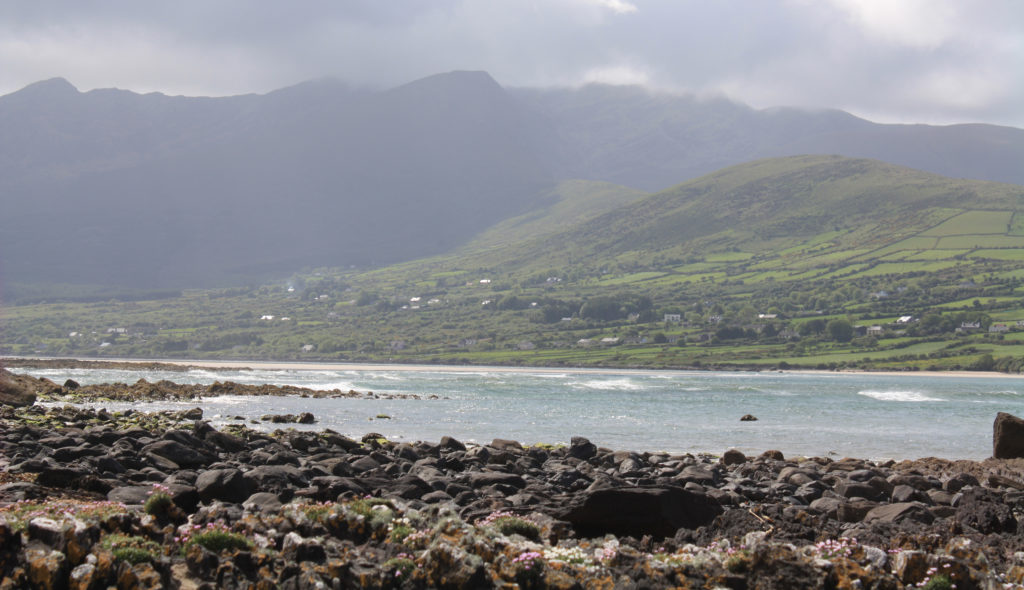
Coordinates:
<point>930,61</point>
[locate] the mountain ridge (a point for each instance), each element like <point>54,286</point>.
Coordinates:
<point>155,191</point>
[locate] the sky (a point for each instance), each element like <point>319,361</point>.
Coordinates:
<point>892,61</point>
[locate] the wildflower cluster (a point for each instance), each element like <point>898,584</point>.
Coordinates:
<point>215,537</point>
<point>159,500</point>
<point>400,567</point>
<point>934,580</point>
<point>399,529</point>
<point>19,514</point>
<point>313,511</point>
<point>528,559</point>
<point>509,524</point>
<point>833,548</point>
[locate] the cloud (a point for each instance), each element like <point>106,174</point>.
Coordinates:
<point>940,60</point>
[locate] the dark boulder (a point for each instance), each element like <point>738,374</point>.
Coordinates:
<point>130,494</point>
<point>1007,436</point>
<point>899,512</point>
<point>985,511</point>
<point>185,456</point>
<point>229,485</point>
<point>733,457</point>
<point>582,448</point>
<point>658,512</point>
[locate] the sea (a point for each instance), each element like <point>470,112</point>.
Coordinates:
<point>863,415</point>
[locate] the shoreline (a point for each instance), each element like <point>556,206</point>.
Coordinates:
<point>225,365</point>
<point>324,509</point>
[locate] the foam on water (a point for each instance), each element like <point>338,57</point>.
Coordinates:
<point>899,396</point>
<point>624,384</point>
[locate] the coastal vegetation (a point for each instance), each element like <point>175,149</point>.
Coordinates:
<point>805,262</point>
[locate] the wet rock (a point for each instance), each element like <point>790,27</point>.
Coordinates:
<point>748,418</point>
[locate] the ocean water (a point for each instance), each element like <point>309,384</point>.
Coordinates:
<point>819,414</point>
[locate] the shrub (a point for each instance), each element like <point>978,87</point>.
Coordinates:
<point>132,549</point>
<point>508,524</point>
<point>159,500</point>
<point>214,537</point>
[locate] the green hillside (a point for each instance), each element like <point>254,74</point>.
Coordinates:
<point>811,261</point>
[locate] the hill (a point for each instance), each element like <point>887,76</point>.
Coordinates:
<point>813,261</point>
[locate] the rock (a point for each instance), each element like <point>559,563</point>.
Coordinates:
<point>16,390</point>
<point>136,495</point>
<point>228,485</point>
<point>486,478</point>
<point>71,384</point>
<point>306,418</point>
<point>502,444</point>
<point>1007,436</point>
<point>450,444</point>
<point>913,511</point>
<point>748,418</point>
<point>733,457</point>
<point>658,512</point>
<point>179,453</point>
<point>582,448</point>
<point>262,502</point>
<point>47,570</point>
<point>984,510</point>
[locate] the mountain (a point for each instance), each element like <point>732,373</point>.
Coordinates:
<point>126,191</point>
<point>631,136</point>
<point>111,187</point>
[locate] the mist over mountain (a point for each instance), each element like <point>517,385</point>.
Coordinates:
<point>109,187</point>
<point>648,140</point>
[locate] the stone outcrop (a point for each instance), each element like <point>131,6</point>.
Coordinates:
<point>1007,436</point>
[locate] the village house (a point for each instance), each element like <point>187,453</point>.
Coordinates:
<point>875,330</point>
<point>998,328</point>
<point>673,318</point>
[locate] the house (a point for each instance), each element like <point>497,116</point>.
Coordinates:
<point>905,319</point>
<point>609,341</point>
<point>673,318</point>
<point>584,342</point>
<point>997,328</point>
<point>767,316</point>
<point>266,317</point>
<point>964,326</point>
<point>308,348</point>
<point>788,334</point>
<point>875,330</point>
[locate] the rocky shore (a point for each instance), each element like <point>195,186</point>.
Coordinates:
<point>95,499</point>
